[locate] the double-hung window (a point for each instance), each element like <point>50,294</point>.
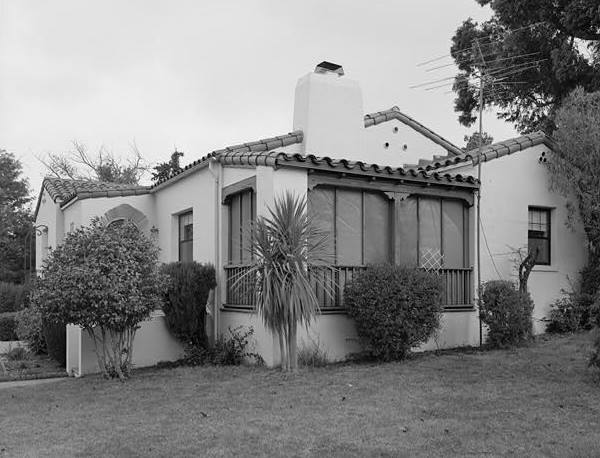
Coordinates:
<point>539,234</point>
<point>242,212</point>
<point>186,237</point>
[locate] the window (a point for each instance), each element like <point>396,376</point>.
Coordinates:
<point>369,227</point>
<point>539,234</point>
<point>359,221</point>
<point>242,212</point>
<point>186,237</point>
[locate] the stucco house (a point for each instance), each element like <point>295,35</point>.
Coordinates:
<point>518,210</point>
<point>350,166</point>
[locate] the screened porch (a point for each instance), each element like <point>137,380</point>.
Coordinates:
<point>369,224</point>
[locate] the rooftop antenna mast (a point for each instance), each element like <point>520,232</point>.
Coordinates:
<point>480,154</point>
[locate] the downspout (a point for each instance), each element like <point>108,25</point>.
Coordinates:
<point>218,178</point>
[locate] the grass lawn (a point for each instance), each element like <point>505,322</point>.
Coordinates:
<point>535,401</point>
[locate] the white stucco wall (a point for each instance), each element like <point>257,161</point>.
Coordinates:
<point>195,192</point>
<point>329,110</point>
<point>153,343</point>
<point>49,214</point>
<point>81,212</point>
<point>406,146</point>
<point>510,185</point>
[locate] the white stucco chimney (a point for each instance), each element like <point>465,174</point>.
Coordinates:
<point>328,108</point>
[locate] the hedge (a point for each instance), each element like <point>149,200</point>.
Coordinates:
<point>185,300</point>
<point>394,308</point>
<point>8,326</point>
<point>13,297</point>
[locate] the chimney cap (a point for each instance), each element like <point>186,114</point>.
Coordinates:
<point>329,67</point>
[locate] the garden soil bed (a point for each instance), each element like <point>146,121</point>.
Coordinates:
<point>36,367</point>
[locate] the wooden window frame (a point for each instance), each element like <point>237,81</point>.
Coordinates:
<point>181,241</point>
<point>548,238</point>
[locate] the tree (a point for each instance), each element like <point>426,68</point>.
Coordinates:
<point>574,170</point>
<point>103,166</point>
<point>472,141</point>
<point>106,280</point>
<point>15,218</point>
<point>165,170</point>
<point>535,53</point>
<point>575,162</point>
<point>282,246</point>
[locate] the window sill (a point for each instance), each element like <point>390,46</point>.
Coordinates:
<point>458,308</point>
<point>238,308</point>
<point>549,268</point>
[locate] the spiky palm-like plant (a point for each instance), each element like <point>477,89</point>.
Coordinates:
<point>283,246</point>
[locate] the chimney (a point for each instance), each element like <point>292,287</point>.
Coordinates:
<point>328,108</point>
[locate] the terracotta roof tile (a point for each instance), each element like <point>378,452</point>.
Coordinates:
<point>490,152</point>
<point>395,113</point>
<point>266,144</point>
<point>279,159</point>
<point>63,190</point>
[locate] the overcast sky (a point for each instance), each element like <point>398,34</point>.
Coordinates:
<point>201,75</point>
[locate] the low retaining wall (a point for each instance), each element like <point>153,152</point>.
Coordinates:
<point>335,334</point>
<point>6,345</point>
<point>153,343</point>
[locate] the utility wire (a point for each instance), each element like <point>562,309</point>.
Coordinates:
<point>488,250</point>
<point>456,63</point>
<point>485,37</point>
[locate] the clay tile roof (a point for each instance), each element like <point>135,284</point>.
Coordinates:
<point>266,144</point>
<point>395,113</point>
<point>63,190</point>
<point>490,152</point>
<point>279,159</point>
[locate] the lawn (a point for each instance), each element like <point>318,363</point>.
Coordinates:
<point>535,401</point>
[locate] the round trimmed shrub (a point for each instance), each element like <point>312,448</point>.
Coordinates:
<point>507,314</point>
<point>185,300</point>
<point>394,308</point>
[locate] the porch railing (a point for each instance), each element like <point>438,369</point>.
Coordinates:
<point>329,284</point>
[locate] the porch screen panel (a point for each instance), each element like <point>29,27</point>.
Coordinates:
<point>377,228</point>
<point>407,232</point>
<point>453,233</point>
<point>246,204</point>
<point>348,227</point>
<point>321,214</point>
<point>430,232</point>
<point>235,230</point>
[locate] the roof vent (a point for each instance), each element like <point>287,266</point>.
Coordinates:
<point>329,67</point>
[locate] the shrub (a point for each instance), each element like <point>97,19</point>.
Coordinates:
<point>106,280</point>
<point>17,354</point>
<point>8,326</point>
<point>185,300</point>
<point>507,314</point>
<point>55,336</point>
<point>13,297</point>
<point>29,329</point>
<point>312,355</point>
<point>569,313</point>
<point>394,308</point>
<point>229,350</point>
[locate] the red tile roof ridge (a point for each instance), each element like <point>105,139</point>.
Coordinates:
<point>373,119</point>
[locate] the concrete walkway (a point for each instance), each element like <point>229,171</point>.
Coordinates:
<point>19,383</point>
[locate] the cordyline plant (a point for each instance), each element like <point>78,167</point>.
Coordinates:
<point>106,280</point>
<point>284,245</point>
